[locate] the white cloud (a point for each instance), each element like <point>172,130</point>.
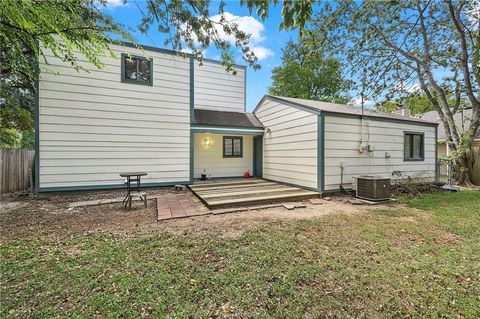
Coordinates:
<point>115,3</point>
<point>366,102</point>
<point>248,25</point>
<point>262,52</point>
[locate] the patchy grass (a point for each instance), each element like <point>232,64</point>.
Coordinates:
<point>421,261</point>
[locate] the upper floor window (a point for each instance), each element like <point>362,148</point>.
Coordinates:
<point>414,147</point>
<point>137,69</point>
<point>232,146</point>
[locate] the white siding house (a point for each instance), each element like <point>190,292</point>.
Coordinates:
<point>93,126</point>
<point>290,144</point>
<point>387,159</point>
<point>218,90</point>
<point>323,145</point>
<point>135,114</point>
<point>155,111</point>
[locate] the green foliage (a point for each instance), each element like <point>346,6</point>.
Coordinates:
<point>391,45</point>
<point>305,73</point>
<point>27,140</point>
<point>417,103</point>
<point>9,138</point>
<point>27,30</point>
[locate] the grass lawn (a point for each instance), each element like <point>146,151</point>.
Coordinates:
<point>418,261</point>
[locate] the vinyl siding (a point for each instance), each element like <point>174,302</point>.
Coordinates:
<point>217,90</point>
<point>342,136</point>
<point>290,150</point>
<point>92,126</point>
<point>210,158</point>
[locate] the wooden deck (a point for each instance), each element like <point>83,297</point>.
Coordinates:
<point>234,192</point>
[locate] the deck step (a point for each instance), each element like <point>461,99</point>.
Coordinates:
<point>242,182</point>
<point>241,200</point>
<point>242,192</point>
<point>214,187</point>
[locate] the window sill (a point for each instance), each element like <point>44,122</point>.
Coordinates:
<point>136,82</point>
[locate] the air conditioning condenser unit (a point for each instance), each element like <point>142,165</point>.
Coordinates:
<point>372,187</point>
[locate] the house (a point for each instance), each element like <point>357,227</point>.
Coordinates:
<point>147,110</point>
<point>323,145</point>
<point>462,121</point>
<point>155,111</point>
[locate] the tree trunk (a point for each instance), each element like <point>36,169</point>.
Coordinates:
<point>465,161</point>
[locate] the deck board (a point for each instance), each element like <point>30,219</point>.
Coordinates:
<point>223,193</point>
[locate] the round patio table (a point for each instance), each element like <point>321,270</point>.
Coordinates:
<point>133,177</point>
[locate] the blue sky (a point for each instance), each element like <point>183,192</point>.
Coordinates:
<point>267,40</point>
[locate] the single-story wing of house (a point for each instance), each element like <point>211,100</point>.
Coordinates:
<point>176,119</point>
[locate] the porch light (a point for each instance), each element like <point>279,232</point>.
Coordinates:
<point>207,142</point>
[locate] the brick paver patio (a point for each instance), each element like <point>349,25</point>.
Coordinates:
<point>180,205</point>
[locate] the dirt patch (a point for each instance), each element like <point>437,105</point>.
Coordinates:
<point>50,215</point>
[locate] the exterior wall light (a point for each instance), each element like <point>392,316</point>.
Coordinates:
<point>207,142</point>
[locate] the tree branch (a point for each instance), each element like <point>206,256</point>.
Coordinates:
<point>455,15</point>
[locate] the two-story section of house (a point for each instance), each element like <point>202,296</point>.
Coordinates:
<point>148,110</point>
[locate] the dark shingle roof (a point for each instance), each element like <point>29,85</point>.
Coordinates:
<point>222,118</point>
<point>345,109</point>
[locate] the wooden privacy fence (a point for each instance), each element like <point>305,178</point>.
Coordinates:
<point>14,165</point>
<point>476,165</point>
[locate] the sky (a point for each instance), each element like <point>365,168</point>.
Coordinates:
<point>267,40</point>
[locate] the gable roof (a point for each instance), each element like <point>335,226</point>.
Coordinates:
<point>223,118</point>
<point>464,115</point>
<point>320,106</point>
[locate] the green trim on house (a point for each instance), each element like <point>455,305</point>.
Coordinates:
<point>192,90</point>
<point>235,132</point>
<point>321,152</point>
<point>337,190</point>
<point>339,114</point>
<point>239,127</point>
<point>112,186</point>
<point>295,105</point>
<point>382,119</point>
<point>123,79</point>
<point>37,128</point>
<point>167,51</point>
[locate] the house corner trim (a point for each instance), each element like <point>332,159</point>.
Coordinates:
<point>321,152</point>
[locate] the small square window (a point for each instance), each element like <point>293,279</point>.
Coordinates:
<point>137,70</point>
<point>414,147</point>
<point>232,146</point>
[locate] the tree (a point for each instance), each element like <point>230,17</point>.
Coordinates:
<point>416,102</point>
<point>391,45</point>
<point>305,73</point>
<point>27,29</point>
